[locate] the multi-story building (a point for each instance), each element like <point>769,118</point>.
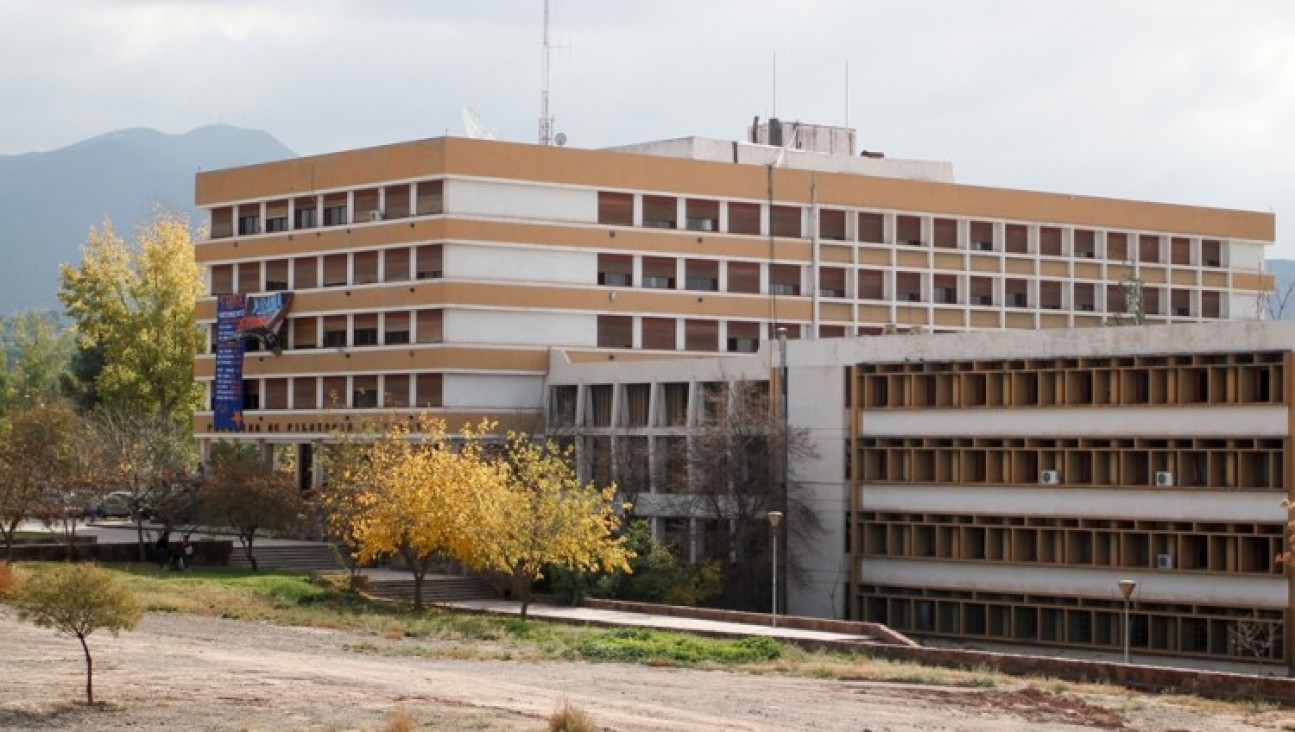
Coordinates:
<point>437,274</point>
<point>1000,489</point>
<point>441,276</point>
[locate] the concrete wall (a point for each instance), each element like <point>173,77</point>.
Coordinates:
<point>520,264</point>
<point>504,199</point>
<point>524,328</point>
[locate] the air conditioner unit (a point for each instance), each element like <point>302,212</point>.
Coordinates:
<point>1164,479</point>
<point>1050,477</point>
<point>375,216</point>
<point>1164,561</point>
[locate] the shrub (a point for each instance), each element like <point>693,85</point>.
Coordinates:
<point>8,580</point>
<point>400,721</point>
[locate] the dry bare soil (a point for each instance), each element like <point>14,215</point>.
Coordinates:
<point>200,673</point>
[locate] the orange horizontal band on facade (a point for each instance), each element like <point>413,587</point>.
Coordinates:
<point>648,173</point>
<point>515,295</point>
<point>321,425</point>
<point>332,361</point>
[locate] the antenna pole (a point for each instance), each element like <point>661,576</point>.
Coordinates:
<point>546,121</point>
<point>775,85</point>
<point>847,95</point>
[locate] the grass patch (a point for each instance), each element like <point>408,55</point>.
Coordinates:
<point>659,648</point>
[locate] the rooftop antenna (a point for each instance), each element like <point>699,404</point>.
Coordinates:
<point>546,119</point>
<point>775,85</point>
<point>847,95</point>
<point>476,129</point>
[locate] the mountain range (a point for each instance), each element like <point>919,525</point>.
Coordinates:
<point>49,200</point>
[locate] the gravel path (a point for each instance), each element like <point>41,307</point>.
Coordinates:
<point>198,673</point>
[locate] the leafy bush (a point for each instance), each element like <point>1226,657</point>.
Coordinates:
<point>658,576</point>
<point>8,580</point>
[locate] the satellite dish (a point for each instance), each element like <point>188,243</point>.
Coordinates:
<point>475,128</point>
<point>560,139</point>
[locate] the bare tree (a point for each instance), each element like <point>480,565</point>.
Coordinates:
<point>739,469</point>
<point>145,456</point>
<point>1252,637</point>
<point>1274,304</point>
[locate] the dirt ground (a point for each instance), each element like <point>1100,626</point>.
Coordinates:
<point>196,673</point>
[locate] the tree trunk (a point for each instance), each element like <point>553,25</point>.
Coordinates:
<point>526,594</point>
<point>89,671</point>
<point>139,535</point>
<point>10,532</point>
<point>251,557</point>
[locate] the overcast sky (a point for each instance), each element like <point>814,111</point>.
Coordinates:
<point>1184,101</point>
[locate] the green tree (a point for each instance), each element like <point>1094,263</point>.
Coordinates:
<point>135,301</point>
<point>36,352</point>
<point>78,599</point>
<point>245,492</point>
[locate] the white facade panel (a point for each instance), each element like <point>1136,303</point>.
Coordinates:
<point>1095,503</point>
<point>492,391</point>
<point>520,264</point>
<point>534,201</point>
<point>1182,587</point>
<point>1159,422</point>
<point>1244,255</point>
<point>520,328</point>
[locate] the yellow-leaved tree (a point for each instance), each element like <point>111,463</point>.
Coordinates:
<point>415,490</point>
<point>544,516</point>
<point>133,304</point>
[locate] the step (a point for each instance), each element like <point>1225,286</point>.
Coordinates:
<point>435,589</point>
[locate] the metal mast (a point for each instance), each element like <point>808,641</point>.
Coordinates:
<point>546,120</point>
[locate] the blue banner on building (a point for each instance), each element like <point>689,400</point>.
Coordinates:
<point>227,402</point>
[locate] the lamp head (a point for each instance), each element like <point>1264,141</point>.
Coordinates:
<point>775,518</point>
<point>1127,587</point>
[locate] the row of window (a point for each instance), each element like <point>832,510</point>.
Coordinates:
<point>340,208</point>
<point>1228,548</point>
<point>668,404</point>
<point>1219,632</point>
<point>358,391</point>
<point>397,264</point>
<point>396,327</point>
<point>733,217</point>
<point>1220,464</point>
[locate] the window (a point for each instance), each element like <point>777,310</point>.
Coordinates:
<point>276,275</point>
<point>364,392</point>
<point>276,216</point>
<point>222,222</point>
<point>784,279</point>
<point>303,216</point>
<point>701,335</point>
<point>702,215</point>
<point>659,273</point>
<point>222,279</point>
<point>395,265</point>
<point>428,264</point>
<point>872,228</point>
<point>304,394</point>
<point>249,220</point>
<point>249,277</point>
<point>616,270</point>
<point>908,229</point>
<point>945,233</point>
<point>431,198</point>
<point>366,206</point>
<point>305,272</point>
<point>334,392</point>
<point>427,390</point>
<point>786,221</point>
<point>701,274</point>
<point>831,224</point>
<point>1018,239</point>
<point>982,236</point>
<point>335,270</point>
<point>615,331</point>
<point>304,333</point>
<point>743,337</point>
<point>1050,241</point>
<point>562,406</point>
<point>276,393</point>
<point>615,209</point>
<point>395,390</point>
<point>335,215</point>
<point>365,331</point>
<point>366,268</point>
<point>743,277</point>
<point>428,325</point>
<point>657,334</point>
<point>660,212</point>
<point>335,331</point>
<point>396,327</point>
<point>831,282</point>
<point>397,202</point>
<point>744,218</point>
<point>251,394</point>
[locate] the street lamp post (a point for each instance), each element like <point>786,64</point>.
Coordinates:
<point>775,517</point>
<point>1126,589</point>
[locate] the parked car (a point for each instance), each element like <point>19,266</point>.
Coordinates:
<point>118,504</point>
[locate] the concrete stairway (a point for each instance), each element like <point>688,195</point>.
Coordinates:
<point>290,557</point>
<point>436,588</point>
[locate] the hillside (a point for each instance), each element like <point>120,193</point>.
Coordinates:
<point>49,200</point>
